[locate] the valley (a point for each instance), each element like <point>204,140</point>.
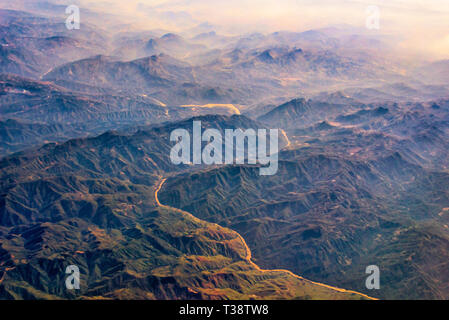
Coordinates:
<point>87,176</point>
<point>249,255</point>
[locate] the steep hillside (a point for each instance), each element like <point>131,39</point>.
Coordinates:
<point>92,202</point>
<point>327,218</point>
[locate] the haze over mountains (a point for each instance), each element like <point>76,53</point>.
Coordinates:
<point>86,176</point>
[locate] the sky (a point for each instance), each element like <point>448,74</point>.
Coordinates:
<point>422,24</point>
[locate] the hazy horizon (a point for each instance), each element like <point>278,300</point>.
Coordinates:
<point>419,27</point>
<point>423,26</point>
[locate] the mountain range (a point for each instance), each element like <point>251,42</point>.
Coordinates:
<point>86,177</point>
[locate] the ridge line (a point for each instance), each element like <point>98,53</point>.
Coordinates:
<point>248,250</point>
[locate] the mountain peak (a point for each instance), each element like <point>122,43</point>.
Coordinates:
<point>171,37</point>
<point>267,56</point>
